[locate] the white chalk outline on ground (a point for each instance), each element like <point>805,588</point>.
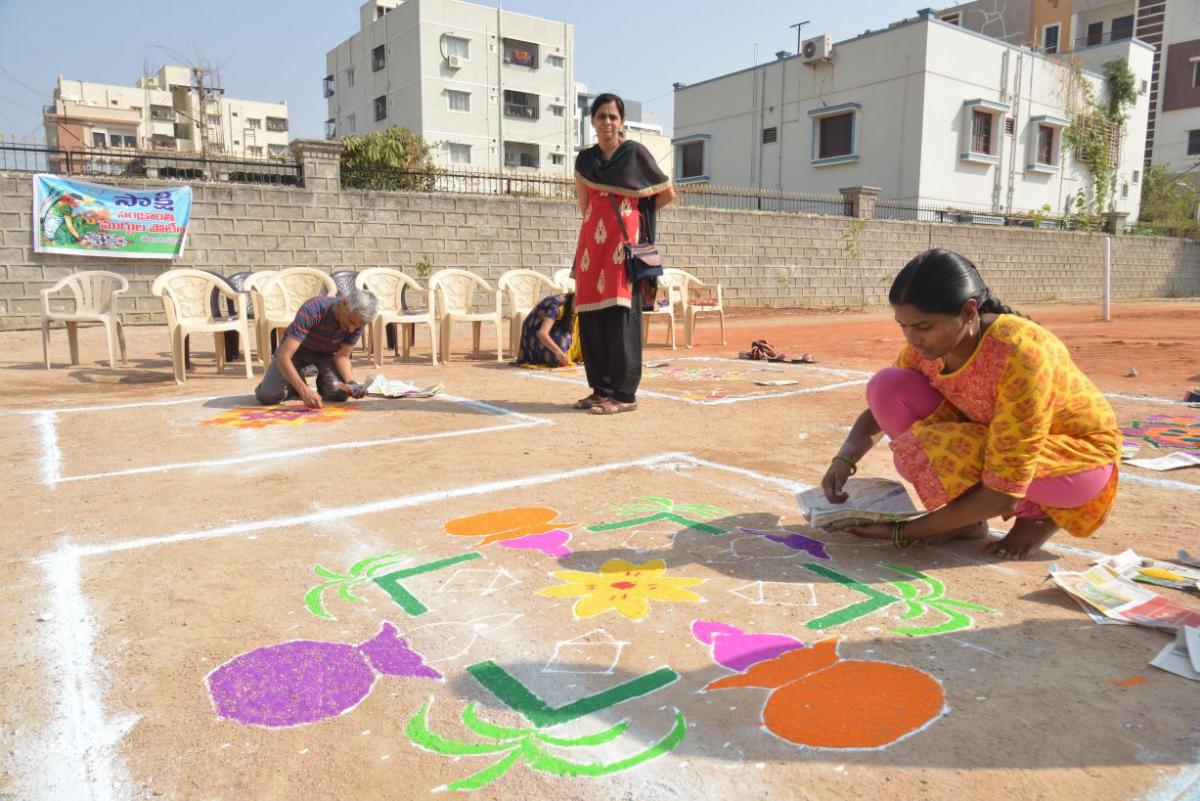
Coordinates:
<point>582,641</point>
<point>46,422</point>
<point>757,595</point>
<point>859,377</point>
<point>91,761</point>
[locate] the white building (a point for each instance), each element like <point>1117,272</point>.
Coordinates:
<point>493,89</point>
<point>925,110</point>
<point>164,112</point>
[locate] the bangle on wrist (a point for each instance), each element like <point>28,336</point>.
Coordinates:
<point>843,458</point>
<point>898,539</point>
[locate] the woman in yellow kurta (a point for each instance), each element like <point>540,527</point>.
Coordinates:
<point>987,416</point>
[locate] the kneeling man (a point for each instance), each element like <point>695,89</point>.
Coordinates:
<point>325,331</point>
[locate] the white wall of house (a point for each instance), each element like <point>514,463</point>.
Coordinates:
<point>460,103</point>
<point>908,90</point>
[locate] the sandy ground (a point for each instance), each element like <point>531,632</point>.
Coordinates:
<point>149,547</point>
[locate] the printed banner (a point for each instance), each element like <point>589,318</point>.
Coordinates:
<point>79,218</point>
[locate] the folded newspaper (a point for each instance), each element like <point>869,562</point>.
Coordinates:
<point>872,500</point>
<point>1131,566</point>
<point>1172,461</point>
<point>1182,655</point>
<point>1120,599</point>
<point>394,388</point>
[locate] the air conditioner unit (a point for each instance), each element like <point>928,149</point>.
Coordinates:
<point>818,48</point>
<point>454,62</point>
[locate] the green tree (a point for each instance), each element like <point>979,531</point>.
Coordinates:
<point>1168,204</point>
<point>395,159</point>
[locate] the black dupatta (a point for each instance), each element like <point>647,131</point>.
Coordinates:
<point>631,172</point>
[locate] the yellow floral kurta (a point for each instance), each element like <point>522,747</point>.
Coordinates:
<point>1019,409</point>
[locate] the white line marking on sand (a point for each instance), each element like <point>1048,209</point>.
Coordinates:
<point>1165,483</point>
<point>47,426</point>
<point>650,393</point>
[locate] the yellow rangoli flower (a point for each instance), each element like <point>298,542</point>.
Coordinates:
<point>623,586</point>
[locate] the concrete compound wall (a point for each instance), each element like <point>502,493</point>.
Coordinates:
<point>762,259</point>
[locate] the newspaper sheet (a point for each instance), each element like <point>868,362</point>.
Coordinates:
<point>395,388</point>
<point>1121,599</point>
<point>1182,655</point>
<point>1172,461</point>
<point>872,500</point>
<point>1131,566</point>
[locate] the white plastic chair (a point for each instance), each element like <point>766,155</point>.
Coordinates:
<point>277,296</point>
<point>672,286</point>
<point>523,290</point>
<point>185,295</point>
<point>564,280</point>
<point>453,292</point>
<point>388,285</point>
<point>95,293</point>
<point>697,298</point>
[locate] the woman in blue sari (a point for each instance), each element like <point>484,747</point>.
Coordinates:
<point>546,333</point>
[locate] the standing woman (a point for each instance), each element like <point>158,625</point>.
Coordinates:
<point>613,177</point>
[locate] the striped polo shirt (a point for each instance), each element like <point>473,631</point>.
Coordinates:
<point>316,328</point>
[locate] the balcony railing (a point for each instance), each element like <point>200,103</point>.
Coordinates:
<point>1101,39</point>
<point>515,110</point>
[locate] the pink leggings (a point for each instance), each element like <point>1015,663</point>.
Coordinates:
<point>899,397</point>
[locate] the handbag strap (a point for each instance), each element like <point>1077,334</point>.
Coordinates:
<point>612,198</point>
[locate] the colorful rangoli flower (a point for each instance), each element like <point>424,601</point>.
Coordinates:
<point>622,586</point>
<point>261,417</point>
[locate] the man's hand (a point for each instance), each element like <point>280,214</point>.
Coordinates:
<point>357,390</point>
<point>311,398</point>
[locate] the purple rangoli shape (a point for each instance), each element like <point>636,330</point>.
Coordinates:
<point>551,543</point>
<point>304,681</point>
<point>797,542</point>
<point>737,650</point>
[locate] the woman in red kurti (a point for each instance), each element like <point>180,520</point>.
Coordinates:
<point>620,187</point>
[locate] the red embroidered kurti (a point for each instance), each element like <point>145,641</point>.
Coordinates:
<point>600,277</point>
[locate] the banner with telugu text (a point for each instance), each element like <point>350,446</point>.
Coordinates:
<point>84,219</point>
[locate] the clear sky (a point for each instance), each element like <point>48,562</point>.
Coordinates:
<point>273,50</point>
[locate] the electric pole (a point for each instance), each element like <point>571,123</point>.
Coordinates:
<point>799,26</point>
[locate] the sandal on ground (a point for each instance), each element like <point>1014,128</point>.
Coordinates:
<point>588,402</point>
<point>760,350</point>
<point>806,358</point>
<point>610,406</point>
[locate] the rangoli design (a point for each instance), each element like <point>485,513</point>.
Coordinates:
<point>507,524</point>
<point>359,573</point>
<point>263,416</point>
<point>820,700</point>
<point>623,587</point>
<point>528,745</point>
<point>654,510</point>
<point>304,681</point>
<point>1167,431</point>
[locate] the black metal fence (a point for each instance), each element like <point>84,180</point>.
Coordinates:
<point>154,164</point>
<point>929,212</point>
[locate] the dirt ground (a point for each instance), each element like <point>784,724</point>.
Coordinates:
<point>398,597</point>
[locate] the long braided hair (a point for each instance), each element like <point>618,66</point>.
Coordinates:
<point>940,281</point>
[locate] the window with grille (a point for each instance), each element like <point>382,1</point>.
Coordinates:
<point>1050,37</point>
<point>378,59</point>
<point>558,159</point>
<point>278,124</point>
<point>981,132</point>
<point>558,111</point>
<point>1010,126</point>
<point>459,101</point>
<point>1122,28</point>
<point>459,154</point>
<point>328,86</point>
<point>330,128</point>
<point>770,136</point>
<point>99,140</point>
<point>381,107</point>
<point>836,135</point>
<point>691,160</point>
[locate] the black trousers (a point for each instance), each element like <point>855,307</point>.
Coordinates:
<point>612,350</point>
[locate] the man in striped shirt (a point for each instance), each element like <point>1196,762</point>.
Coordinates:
<point>325,331</point>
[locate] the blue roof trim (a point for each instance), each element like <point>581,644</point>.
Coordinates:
<point>979,158</point>
<point>825,111</point>
<point>992,104</point>
<point>1050,119</point>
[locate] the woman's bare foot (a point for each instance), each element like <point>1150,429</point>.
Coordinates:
<point>975,531</point>
<point>1025,538</point>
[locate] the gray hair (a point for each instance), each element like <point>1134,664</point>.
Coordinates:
<point>363,304</point>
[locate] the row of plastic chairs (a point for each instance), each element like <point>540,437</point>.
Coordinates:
<point>192,301</point>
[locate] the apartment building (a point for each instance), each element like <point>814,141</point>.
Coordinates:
<point>927,111</point>
<point>492,89</point>
<point>1068,27</point>
<point>166,111</point>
